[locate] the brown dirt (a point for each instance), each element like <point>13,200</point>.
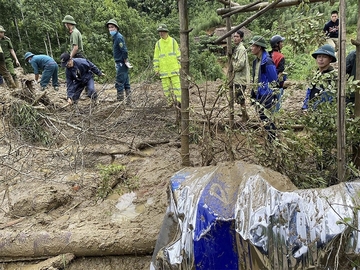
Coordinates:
<point>49,195</point>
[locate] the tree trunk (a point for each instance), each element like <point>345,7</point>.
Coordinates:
<point>49,41</point>
<point>17,29</point>
<point>230,74</point>
<point>80,242</point>
<point>26,33</point>
<point>46,48</point>
<point>184,48</point>
<point>356,148</point>
<point>341,95</point>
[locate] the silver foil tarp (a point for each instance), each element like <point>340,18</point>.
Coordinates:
<point>244,216</point>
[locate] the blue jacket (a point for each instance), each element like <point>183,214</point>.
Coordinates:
<point>318,93</point>
<point>120,51</point>
<point>38,62</point>
<point>80,73</point>
<point>267,74</point>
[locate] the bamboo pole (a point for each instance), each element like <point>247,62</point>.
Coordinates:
<point>284,3</point>
<point>184,48</point>
<point>250,19</point>
<point>356,148</point>
<point>341,95</point>
<point>230,73</point>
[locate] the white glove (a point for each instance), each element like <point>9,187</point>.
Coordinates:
<point>127,63</point>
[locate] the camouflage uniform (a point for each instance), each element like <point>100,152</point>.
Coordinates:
<point>4,72</point>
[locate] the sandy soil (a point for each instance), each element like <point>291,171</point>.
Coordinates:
<point>50,194</point>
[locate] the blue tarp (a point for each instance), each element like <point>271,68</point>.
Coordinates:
<point>243,216</point>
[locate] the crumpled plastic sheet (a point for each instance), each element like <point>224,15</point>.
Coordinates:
<point>243,216</point>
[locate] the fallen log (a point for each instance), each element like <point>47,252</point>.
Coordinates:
<point>19,246</point>
<point>57,262</point>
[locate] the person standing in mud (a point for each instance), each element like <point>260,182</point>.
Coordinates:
<point>166,63</point>
<point>122,64</point>
<point>264,79</point>
<point>9,52</point>
<point>241,73</point>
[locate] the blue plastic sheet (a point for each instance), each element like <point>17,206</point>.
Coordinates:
<point>243,216</point>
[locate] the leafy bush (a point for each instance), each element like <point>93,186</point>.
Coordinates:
<point>205,64</point>
<point>29,123</point>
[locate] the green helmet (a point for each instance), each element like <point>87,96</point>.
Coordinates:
<point>326,50</point>
<point>2,29</point>
<point>162,28</point>
<point>112,21</point>
<point>69,19</point>
<point>258,40</point>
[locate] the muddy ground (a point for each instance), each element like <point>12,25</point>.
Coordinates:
<point>57,210</point>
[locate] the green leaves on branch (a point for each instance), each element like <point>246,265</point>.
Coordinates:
<point>29,123</point>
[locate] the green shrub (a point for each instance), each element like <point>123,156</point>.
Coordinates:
<point>29,123</point>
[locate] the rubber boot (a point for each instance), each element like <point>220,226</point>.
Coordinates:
<point>120,97</point>
<point>128,97</point>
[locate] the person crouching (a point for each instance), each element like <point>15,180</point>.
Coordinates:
<point>79,74</point>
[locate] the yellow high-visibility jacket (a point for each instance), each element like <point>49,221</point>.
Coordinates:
<point>167,57</point>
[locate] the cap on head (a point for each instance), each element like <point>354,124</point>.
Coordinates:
<point>64,58</point>
<point>326,50</point>
<point>112,21</point>
<point>2,29</point>
<point>27,55</point>
<point>258,40</point>
<point>162,28</point>
<point>275,40</point>
<point>69,19</point>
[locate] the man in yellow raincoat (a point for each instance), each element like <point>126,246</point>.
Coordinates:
<point>167,65</point>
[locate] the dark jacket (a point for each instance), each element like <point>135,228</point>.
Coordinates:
<point>351,63</point>
<point>351,71</point>
<point>318,93</point>
<point>332,29</point>
<point>80,73</point>
<point>120,51</point>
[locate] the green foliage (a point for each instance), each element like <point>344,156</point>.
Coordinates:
<point>128,185</point>
<point>28,122</point>
<point>299,66</point>
<point>108,176</point>
<point>292,155</point>
<point>205,64</point>
<point>155,9</point>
